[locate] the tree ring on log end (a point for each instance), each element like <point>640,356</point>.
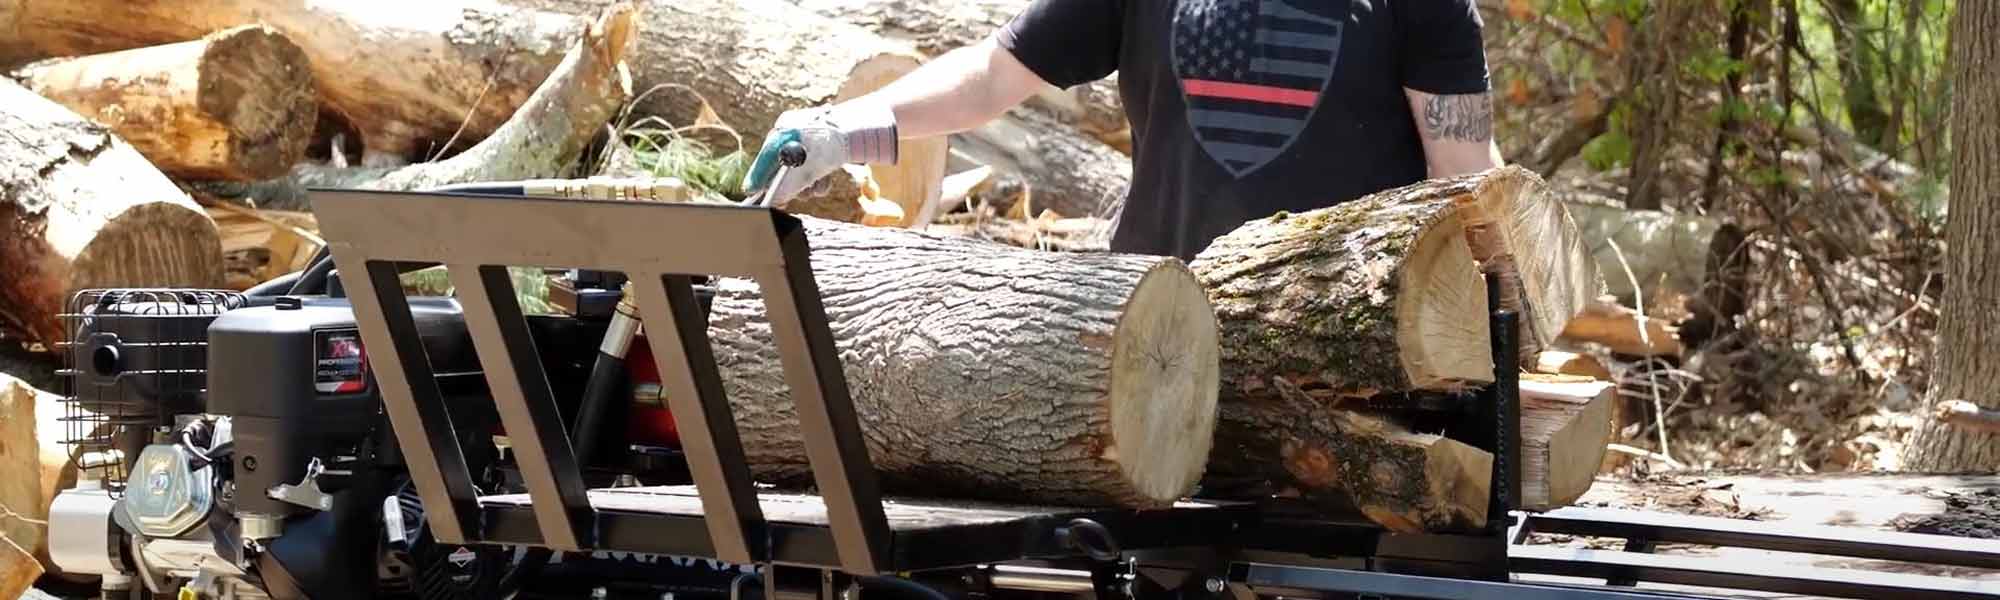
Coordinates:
<point>1165,376</point>
<point>151,245</point>
<point>1441,325</point>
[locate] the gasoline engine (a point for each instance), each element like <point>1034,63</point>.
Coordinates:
<point>234,445</point>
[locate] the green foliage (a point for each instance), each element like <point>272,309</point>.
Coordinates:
<point>666,152</point>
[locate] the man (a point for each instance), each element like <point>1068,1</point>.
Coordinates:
<point>1239,108</point>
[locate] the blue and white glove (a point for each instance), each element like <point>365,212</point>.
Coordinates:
<point>832,137</point>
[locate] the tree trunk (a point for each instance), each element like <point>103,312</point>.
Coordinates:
<point>81,209</point>
<point>1095,108</point>
<point>1565,423</point>
<point>983,370</point>
<point>1967,343</point>
<point>237,104</point>
<point>408,76</point>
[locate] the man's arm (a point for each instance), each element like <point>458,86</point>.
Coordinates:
<point>960,90</point>
<point>1457,131</point>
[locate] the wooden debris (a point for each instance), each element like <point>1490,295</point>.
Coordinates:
<point>260,245</point>
<point>1622,330</point>
<point>237,104</point>
<point>79,209</point>
<point>1564,362</point>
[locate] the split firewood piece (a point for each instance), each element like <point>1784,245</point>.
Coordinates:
<point>408,76</point>
<point>986,371</point>
<point>259,245</point>
<point>237,104</point>
<point>18,571</point>
<point>1565,424</point>
<point>80,209</point>
<point>916,181</point>
<point>1622,330</point>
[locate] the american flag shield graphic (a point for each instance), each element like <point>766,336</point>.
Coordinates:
<point>1252,72</point>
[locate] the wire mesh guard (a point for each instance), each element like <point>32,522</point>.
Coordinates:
<point>132,359</point>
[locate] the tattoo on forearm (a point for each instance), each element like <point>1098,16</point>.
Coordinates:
<point>1467,117</point>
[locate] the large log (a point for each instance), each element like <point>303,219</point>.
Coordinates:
<point>237,104</point>
<point>408,76</point>
<point>1372,299</point>
<point>990,371</point>
<point>79,209</point>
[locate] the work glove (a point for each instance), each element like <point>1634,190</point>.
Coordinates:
<point>831,136</point>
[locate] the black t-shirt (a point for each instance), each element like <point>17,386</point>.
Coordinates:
<point>1243,108</point>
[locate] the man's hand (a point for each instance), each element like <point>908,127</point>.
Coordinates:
<point>1457,131</point>
<point>832,136</point>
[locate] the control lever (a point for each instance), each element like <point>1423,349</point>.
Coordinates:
<point>792,154</point>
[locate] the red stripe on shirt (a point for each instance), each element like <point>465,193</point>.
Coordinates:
<point>1256,93</point>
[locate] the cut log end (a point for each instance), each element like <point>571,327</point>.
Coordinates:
<point>1547,248</point>
<point>1445,344</point>
<point>258,84</point>
<point>1164,379</point>
<point>149,245</point>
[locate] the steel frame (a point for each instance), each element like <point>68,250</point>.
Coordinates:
<point>659,247</point>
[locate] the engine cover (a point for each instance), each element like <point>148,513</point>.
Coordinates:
<point>294,379</point>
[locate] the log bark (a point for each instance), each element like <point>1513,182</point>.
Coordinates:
<point>1565,424</point>
<point>409,77</point>
<point>994,372</point>
<point>1094,109</point>
<point>237,104</point>
<point>79,209</point>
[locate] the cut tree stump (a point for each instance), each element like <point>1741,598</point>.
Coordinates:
<point>1369,300</point>
<point>1565,424</point>
<point>80,209</point>
<point>236,105</point>
<point>987,371</point>
<point>409,77</point>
